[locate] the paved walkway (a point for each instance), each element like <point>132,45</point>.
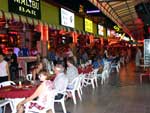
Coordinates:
<point>123,93</point>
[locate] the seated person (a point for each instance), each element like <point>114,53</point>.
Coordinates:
<point>72,71</point>
<point>36,70</point>
<point>44,94</point>
<point>97,63</point>
<point>60,81</point>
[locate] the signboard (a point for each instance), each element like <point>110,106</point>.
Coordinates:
<point>88,25</point>
<point>67,18</point>
<point>146,51</point>
<point>100,30</point>
<point>29,8</point>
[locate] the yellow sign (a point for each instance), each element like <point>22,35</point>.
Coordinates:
<point>88,25</point>
<point>117,28</point>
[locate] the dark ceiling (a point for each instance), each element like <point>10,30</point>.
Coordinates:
<point>121,12</point>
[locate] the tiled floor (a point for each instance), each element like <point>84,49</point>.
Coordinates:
<point>121,94</point>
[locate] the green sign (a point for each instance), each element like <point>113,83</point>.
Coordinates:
<point>29,8</point>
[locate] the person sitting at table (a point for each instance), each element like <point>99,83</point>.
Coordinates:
<point>44,90</point>
<point>4,69</point>
<point>36,70</point>
<point>97,63</point>
<point>71,71</point>
<point>60,81</point>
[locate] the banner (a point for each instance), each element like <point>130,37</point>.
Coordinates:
<point>29,8</point>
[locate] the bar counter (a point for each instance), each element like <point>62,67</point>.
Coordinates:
<point>22,61</point>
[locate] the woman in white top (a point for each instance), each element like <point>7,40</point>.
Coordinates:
<point>44,93</point>
<point>4,69</point>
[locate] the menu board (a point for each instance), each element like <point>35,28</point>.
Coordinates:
<point>101,30</point>
<point>146,51</point>
<point>67,18</point>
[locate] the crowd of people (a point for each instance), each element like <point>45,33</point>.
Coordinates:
<point>64,64</point>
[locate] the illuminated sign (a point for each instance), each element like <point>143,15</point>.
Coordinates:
<point>29,8</point>
<point>117,28</point>
<point>67,18</point>
<point>100,30</point>
<point>88,25</point>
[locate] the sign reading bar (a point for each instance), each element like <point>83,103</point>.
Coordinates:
<point>29,8</point>
<point>88,25</point>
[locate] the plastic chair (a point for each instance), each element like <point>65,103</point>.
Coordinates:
<point>62,100</point>
<point>7,83</point>
<point>29,77</point>
<point>3,103</point>
<point>90,79</point>
<point>76,83</point>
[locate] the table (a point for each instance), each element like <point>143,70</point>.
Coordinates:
<point>85,70</point>
<point>16,94</point>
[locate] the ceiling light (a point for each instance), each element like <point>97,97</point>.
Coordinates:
<point>30,1</point>
<point>92,11</point>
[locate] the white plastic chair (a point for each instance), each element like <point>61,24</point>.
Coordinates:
<point>29,77</point>
<point>3,103</point>
<point>76,83</point>
<point>62,100</point>
<point>91,78</point>
<point>7,83</point>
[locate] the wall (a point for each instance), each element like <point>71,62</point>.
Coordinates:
<point>79,23</point>
<point>4,5</point>
<point>49,13</point>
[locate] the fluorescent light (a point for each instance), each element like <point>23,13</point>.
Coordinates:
<point>93,11</point>
<point>30,1</point>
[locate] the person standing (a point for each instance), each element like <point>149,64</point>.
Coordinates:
<point>13,66</point>
<point>4,69</point>
<point>138,57</point>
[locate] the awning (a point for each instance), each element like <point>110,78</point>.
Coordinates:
<point>20,18</point>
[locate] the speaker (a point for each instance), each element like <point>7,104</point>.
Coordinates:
<point>143,11</point>
<point>37,36</point>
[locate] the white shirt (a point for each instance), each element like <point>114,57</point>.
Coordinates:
<point>16,51</point>
<point>72,72</point>
<point>3,71</point>
<point>60,82</point>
